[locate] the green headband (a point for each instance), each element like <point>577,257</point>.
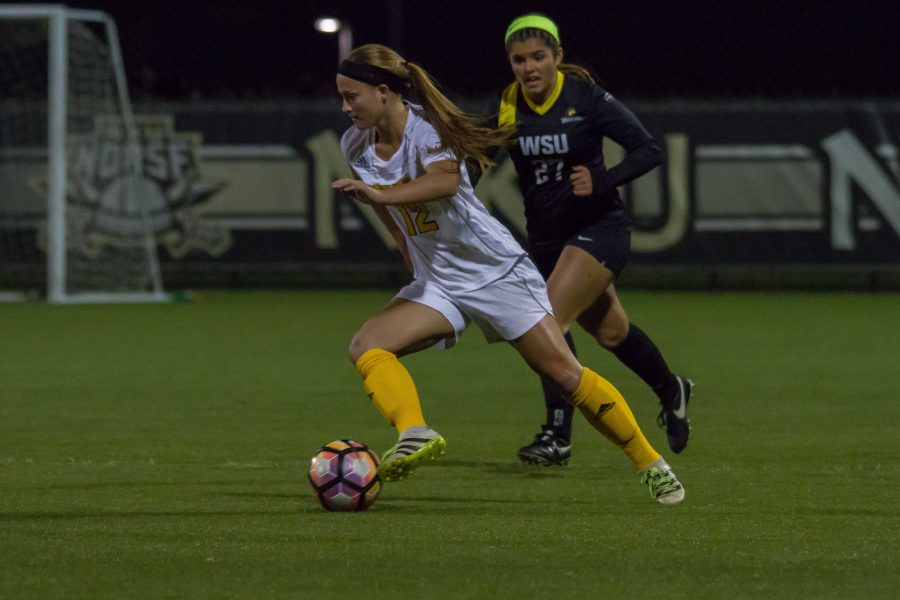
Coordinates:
<point>532,21</point>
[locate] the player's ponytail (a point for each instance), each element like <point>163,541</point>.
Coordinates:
<point>577,70</point>
<point>458,130</point>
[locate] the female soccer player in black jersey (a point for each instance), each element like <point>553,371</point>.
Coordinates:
<point>577,226</point>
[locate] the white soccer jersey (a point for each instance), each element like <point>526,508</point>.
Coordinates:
<point>452,241</point>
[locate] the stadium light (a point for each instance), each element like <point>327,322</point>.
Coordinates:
<point>342,29</point>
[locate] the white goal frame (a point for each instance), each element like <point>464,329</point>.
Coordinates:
<point>58,17</point>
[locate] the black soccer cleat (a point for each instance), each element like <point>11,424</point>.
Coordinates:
<point>547,449</point>
<point>674,417</point>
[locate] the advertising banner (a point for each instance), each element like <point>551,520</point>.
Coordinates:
<point>241,191</point>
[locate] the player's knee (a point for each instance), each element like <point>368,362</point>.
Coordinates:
<point>563,373</point>
<point>564,321</point>
<point>611,337</point>
<point>358,347</point>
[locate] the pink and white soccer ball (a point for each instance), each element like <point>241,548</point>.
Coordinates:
<point>344,476</point>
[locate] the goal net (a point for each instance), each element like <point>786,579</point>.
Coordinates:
<point>74,219</point>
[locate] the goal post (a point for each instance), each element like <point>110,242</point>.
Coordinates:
<point>74,219</point>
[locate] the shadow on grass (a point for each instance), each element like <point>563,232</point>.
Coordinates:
<point>99,485</point>
<point>442,505</point>
<point>505,467</point>
<point>478,506</point>
<point>122,514</point>
<point>478,500</point>
<point>285,496</point>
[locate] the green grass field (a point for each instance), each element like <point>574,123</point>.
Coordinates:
<point>161,452</point>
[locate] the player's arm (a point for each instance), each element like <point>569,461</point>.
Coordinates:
<point>613,120</point>
<point>474,169</point>
<point>384,216</point>
<point>491,122</point>
<point>440,180</point>
<point>399,238</point>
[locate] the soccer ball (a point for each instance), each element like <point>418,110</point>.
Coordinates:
<point>344,476</point>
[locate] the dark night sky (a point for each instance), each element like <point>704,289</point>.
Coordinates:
<point>639,49</point>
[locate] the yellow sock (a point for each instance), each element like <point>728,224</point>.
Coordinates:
<point>391,388</point>
<point>605,408</point>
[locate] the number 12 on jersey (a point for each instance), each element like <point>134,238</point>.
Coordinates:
<point>420,223</point>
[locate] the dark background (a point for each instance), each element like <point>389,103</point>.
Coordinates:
<point>176,49</point>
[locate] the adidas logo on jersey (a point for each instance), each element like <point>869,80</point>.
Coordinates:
<point>362,162</point>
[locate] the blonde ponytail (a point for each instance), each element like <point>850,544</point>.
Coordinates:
<point>459,131</point>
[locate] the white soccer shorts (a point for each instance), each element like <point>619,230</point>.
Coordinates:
<point>504,309</point>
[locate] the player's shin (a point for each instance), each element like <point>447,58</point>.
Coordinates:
<point>391,388</point>
<point>608,412</point>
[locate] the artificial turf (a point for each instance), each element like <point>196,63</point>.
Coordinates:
<point>160,452</point>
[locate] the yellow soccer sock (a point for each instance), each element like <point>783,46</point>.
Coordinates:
<point>391,388</point>
<point>606,410</point>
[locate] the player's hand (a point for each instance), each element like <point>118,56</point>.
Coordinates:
<point>581,180</point>
<point>359,190</point>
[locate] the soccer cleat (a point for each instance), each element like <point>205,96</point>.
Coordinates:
<point>547,449</point>
<point>674,418</point>
<point>412,449</point>
<point>664,486</point>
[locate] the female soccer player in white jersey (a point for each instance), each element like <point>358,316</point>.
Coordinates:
<point>467,266</point>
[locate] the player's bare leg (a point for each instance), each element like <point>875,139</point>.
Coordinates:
<point>574,285</point>
<point>401,328</point>
<point>545,351</point>
<point>582,289</point>
<point>578,281</point>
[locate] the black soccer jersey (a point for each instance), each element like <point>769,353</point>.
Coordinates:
<point>567,131</point>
